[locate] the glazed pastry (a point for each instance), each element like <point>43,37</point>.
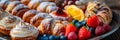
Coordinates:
<point>29,15</point>
<point>36,20</point>
<point>52,27</point>
<point>3,14</point>
<point>25,1</point>
<point>33,4</point>
<point>7,23</point>
<point>12,5</point>
<point>47,7</point>
<point>4,4</point>
<point>24,31</point>
<point>42,7</point>
<point>102,10</point>
<point>46,26</point>
<point>19,10</point>
<point>51,7</point>
<point>59,28</point>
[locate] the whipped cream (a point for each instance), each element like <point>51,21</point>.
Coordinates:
<point>24,30</point>
<point>9,22</point>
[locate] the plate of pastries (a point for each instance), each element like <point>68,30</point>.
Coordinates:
<point>56,20</point>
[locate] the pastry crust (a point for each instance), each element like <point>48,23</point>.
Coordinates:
<point>7,23</point>
<point>19,10</point>
<point>25,1</point>
<point>24,31</point>
<point>52,26</point>
<point>4,4</point>
<point>36,20</point>
<point>33,4</point>
<point>12,5</point>
<point>101,9</point>
<point>29,15</point>
<point>42,7</point>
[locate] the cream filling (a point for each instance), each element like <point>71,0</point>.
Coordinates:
<point>24,30</point>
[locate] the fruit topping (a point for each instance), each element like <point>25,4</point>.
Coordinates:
<point>84,34</point>
<point>70,28</point>
<point>99,30</point>
<point>93,21</point>
<point>63,37</point>
<point>72,36</point>
<point>75,12</point>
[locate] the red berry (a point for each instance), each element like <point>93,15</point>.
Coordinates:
<point>72,36</point>
<point>93,21</point>
<point>84,34</point>
<point>70,28</point>
<point>99,30</point>
<point>107,27</point>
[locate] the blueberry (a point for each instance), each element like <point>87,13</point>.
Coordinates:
<point>53,37</point>
<point>92,30</point>
<point>39,37</point>
<point>44,38</point>
<point>74,21</point>
<point>63,37</point>
<point>83,22</point>
<point>45,35</point>
<point>78,25</point>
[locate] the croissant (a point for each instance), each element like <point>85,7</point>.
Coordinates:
<point>102,10</point>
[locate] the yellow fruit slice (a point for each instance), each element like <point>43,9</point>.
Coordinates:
<point>75,12</point>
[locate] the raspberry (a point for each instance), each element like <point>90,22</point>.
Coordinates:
<point>84,34</point>
<point>107,27</point>
<point>72,36</point>
<point>93,21</point>
<point>99,30</point>
<point>70,28</point>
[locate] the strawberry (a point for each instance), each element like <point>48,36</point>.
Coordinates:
<point>93,21</point>
<point>107,27</point>
<point>70,28</point>
<point>99,30</point>
<point>84,34</point>
<point>72,36</point>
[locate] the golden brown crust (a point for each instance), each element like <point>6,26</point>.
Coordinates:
<point>19,8</point>
<point>59,29</point>
<point>42,7</point>
<point>25,1</point>
<point>46,27</point>
<point>101,9</point>
<point>33,4</point>
<point>24,38</point>
<point>21,12</point>
<point>36,20</point>
<point>5,4</point>
<point>29,15</point>
<point>4,31</point>
<point>11,5</point>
